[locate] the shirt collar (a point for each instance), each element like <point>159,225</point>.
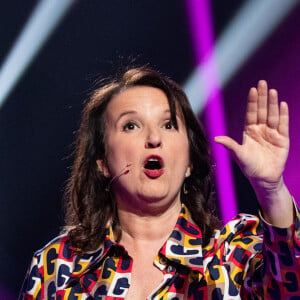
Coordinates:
<point>184,246</point>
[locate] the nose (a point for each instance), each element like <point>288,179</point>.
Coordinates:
<point>153,139</point>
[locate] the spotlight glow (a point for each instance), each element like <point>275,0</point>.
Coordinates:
<point>248,29</point>
<point>216,65</point>
<point>202,32</point>
<point>40,25</point>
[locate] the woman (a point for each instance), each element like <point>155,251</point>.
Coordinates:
<point>138,218</point>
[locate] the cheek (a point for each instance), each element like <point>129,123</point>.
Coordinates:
<point>119,155</point>
<point>180,150</point>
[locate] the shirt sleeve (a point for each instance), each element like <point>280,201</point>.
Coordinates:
<point>274,273</point>
<point>32,286</point>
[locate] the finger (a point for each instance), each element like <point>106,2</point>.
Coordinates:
<point>273,109</point>
<point>228,143</point>
<point>283,127</point>
<point>251,113</point>
<point>262,112</point>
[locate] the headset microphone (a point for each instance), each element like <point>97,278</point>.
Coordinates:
<point>124,171</point>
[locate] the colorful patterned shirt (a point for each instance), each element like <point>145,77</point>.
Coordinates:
<point>247,259</point>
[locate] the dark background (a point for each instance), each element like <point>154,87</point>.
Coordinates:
<point>96,38</point>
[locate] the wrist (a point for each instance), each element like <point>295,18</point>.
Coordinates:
<point>271,190</point>
<point>276,204</point>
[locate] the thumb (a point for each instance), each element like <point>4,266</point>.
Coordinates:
<point>228,143</point>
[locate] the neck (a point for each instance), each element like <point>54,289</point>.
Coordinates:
<point>154,225</point>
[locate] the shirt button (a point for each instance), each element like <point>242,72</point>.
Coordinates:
<point>163,260</point>
<point>169,269</point>
<point>194,275</point>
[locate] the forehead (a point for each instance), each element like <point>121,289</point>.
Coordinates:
<point>138,98</point>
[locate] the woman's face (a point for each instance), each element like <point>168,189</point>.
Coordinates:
<point>139,132</point>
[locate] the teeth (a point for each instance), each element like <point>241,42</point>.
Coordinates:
<point>152,164</point>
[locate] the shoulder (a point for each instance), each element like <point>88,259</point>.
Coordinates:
<point>44,265</point>
<point>58,248</point>
<point>244,230</point>
<point>243,224</point>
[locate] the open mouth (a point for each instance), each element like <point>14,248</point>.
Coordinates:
<point>153,166</point>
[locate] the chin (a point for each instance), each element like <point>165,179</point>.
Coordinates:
<point>152,198</point>
<point>158,198</point>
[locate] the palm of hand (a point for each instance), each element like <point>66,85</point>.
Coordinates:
<point>263,153</point>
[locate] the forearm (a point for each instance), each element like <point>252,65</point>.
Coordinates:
<point>273,272</point>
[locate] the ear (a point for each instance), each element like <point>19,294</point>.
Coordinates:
<point>188,172</point>
<point>103,168</point>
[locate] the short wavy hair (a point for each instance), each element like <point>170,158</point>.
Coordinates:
<point>89,204</point>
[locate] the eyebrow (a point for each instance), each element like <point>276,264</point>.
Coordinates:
<point>134,112</point>
<point>129,112</point>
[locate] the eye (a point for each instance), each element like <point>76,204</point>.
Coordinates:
<point>129,126</point>
<point>169,125</point>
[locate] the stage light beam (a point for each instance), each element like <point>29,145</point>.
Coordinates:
<point>254,22</point>
<point>199,16</point>
<point>44,19</point>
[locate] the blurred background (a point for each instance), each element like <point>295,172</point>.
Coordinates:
<point>52,52</point>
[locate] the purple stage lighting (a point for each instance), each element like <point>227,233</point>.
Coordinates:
<point>202,36</point>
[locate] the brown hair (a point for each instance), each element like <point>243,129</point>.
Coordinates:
<point>88,204</point>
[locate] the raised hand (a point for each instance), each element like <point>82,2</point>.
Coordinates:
<point>264,150</point>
